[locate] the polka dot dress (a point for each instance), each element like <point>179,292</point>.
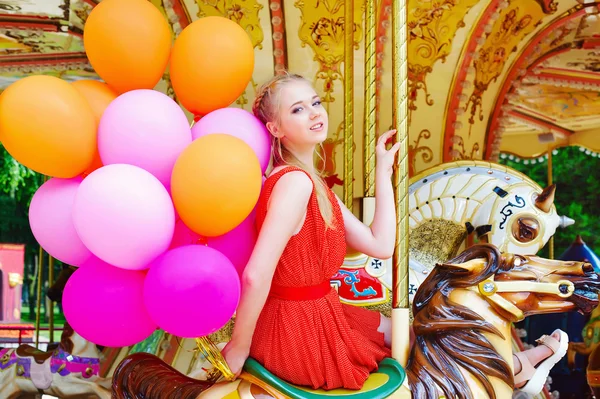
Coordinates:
<point>319,343</point>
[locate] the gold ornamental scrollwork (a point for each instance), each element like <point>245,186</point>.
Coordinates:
<point>322,29</point>
<point>508,31</point>
<point>432,26</point>
<point>416,149</point>
<point>242,12</point>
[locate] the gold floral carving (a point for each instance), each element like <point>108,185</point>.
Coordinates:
<point>322,29</point>
<point>243,12</point>
<point>416,149</point>
<point>431,26</point>
<point>506,35</point>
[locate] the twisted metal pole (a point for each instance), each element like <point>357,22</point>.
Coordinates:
<point>348,103</point>
<point>550,182</point>
<point>370,97</point>
<point>400,310</point>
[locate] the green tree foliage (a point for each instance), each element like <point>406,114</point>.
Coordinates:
<point>577,179</point>
<point>17,186</point>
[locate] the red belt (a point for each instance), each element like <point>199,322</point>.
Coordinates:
<point>300,293</point>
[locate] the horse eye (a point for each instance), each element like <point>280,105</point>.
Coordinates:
<point>525,229</point>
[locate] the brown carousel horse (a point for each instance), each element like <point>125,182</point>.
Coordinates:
<point>69,371</point>
<point>463,314</point>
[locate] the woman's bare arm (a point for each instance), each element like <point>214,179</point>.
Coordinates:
<point>286,211</point>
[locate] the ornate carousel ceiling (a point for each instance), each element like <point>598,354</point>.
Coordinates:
<point>517,76</point>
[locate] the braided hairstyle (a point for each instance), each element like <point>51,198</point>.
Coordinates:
<point>265,108</point>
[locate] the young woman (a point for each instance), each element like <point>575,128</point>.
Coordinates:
<point>289,318</point>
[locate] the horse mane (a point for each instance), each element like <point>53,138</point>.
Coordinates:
<point>451,336</point>
<point>65,339</point>
<point>143,376</point>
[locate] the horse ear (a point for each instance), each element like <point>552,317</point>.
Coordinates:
<point>472,266</point>
<point>545,200</point>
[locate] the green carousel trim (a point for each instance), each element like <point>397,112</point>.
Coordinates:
<point>390,376</point>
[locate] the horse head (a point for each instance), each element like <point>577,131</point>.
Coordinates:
<point>56,290</point>
<point>519,219</point>
<point>74,344</point>
<point>463,313</point>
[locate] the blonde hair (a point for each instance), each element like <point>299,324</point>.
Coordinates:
<point>265,108</point>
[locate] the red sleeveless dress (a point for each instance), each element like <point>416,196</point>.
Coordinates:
<point>317,342</point>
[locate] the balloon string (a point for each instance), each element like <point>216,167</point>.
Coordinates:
<point>209,350</point>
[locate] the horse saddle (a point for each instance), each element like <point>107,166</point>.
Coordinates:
<point>28,351</point>
<point>380,384</point>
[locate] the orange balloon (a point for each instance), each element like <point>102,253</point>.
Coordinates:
<point>46,125</point>
<point>215,184</point>
<point>98,96</point>
<point>211,64</point>
<point>128,43</point>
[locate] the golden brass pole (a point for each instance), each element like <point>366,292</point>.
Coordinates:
<point>38,309</point>
<point>348,103</point>
<point>50,282</point>
<point>400,311</point>
<point>370,97</point>
<point>550,182</point>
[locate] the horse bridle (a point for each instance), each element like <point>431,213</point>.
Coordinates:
<point>490,290</point>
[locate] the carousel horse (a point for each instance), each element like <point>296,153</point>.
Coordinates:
<point>69,371</point>
<point>591,339</point>
<point>448,203</point>
<point>463,314</point>
<point>590,346</point>
<point>593,371</point>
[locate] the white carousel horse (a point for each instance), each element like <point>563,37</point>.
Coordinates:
<point>447,203</point>
<point>69,371</point>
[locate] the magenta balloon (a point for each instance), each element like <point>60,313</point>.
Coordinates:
<point>144,128</point>
<point>124,215</point>
<point>51,221</point>
<point>238,244</point>
<point>241,124</point>
<point>191,291</point>
<point>105,305</point>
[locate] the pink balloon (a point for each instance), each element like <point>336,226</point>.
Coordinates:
<point>191,291</point>
<point>51,221</point>
<point>241,124</point>
<point>124,215</point>
<point>105,305</point>
<point>144,128</point>
<point>238,244</point>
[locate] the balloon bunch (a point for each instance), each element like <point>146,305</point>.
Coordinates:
<point>158,216</point>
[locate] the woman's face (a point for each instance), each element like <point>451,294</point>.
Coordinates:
<point>303,120</point>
